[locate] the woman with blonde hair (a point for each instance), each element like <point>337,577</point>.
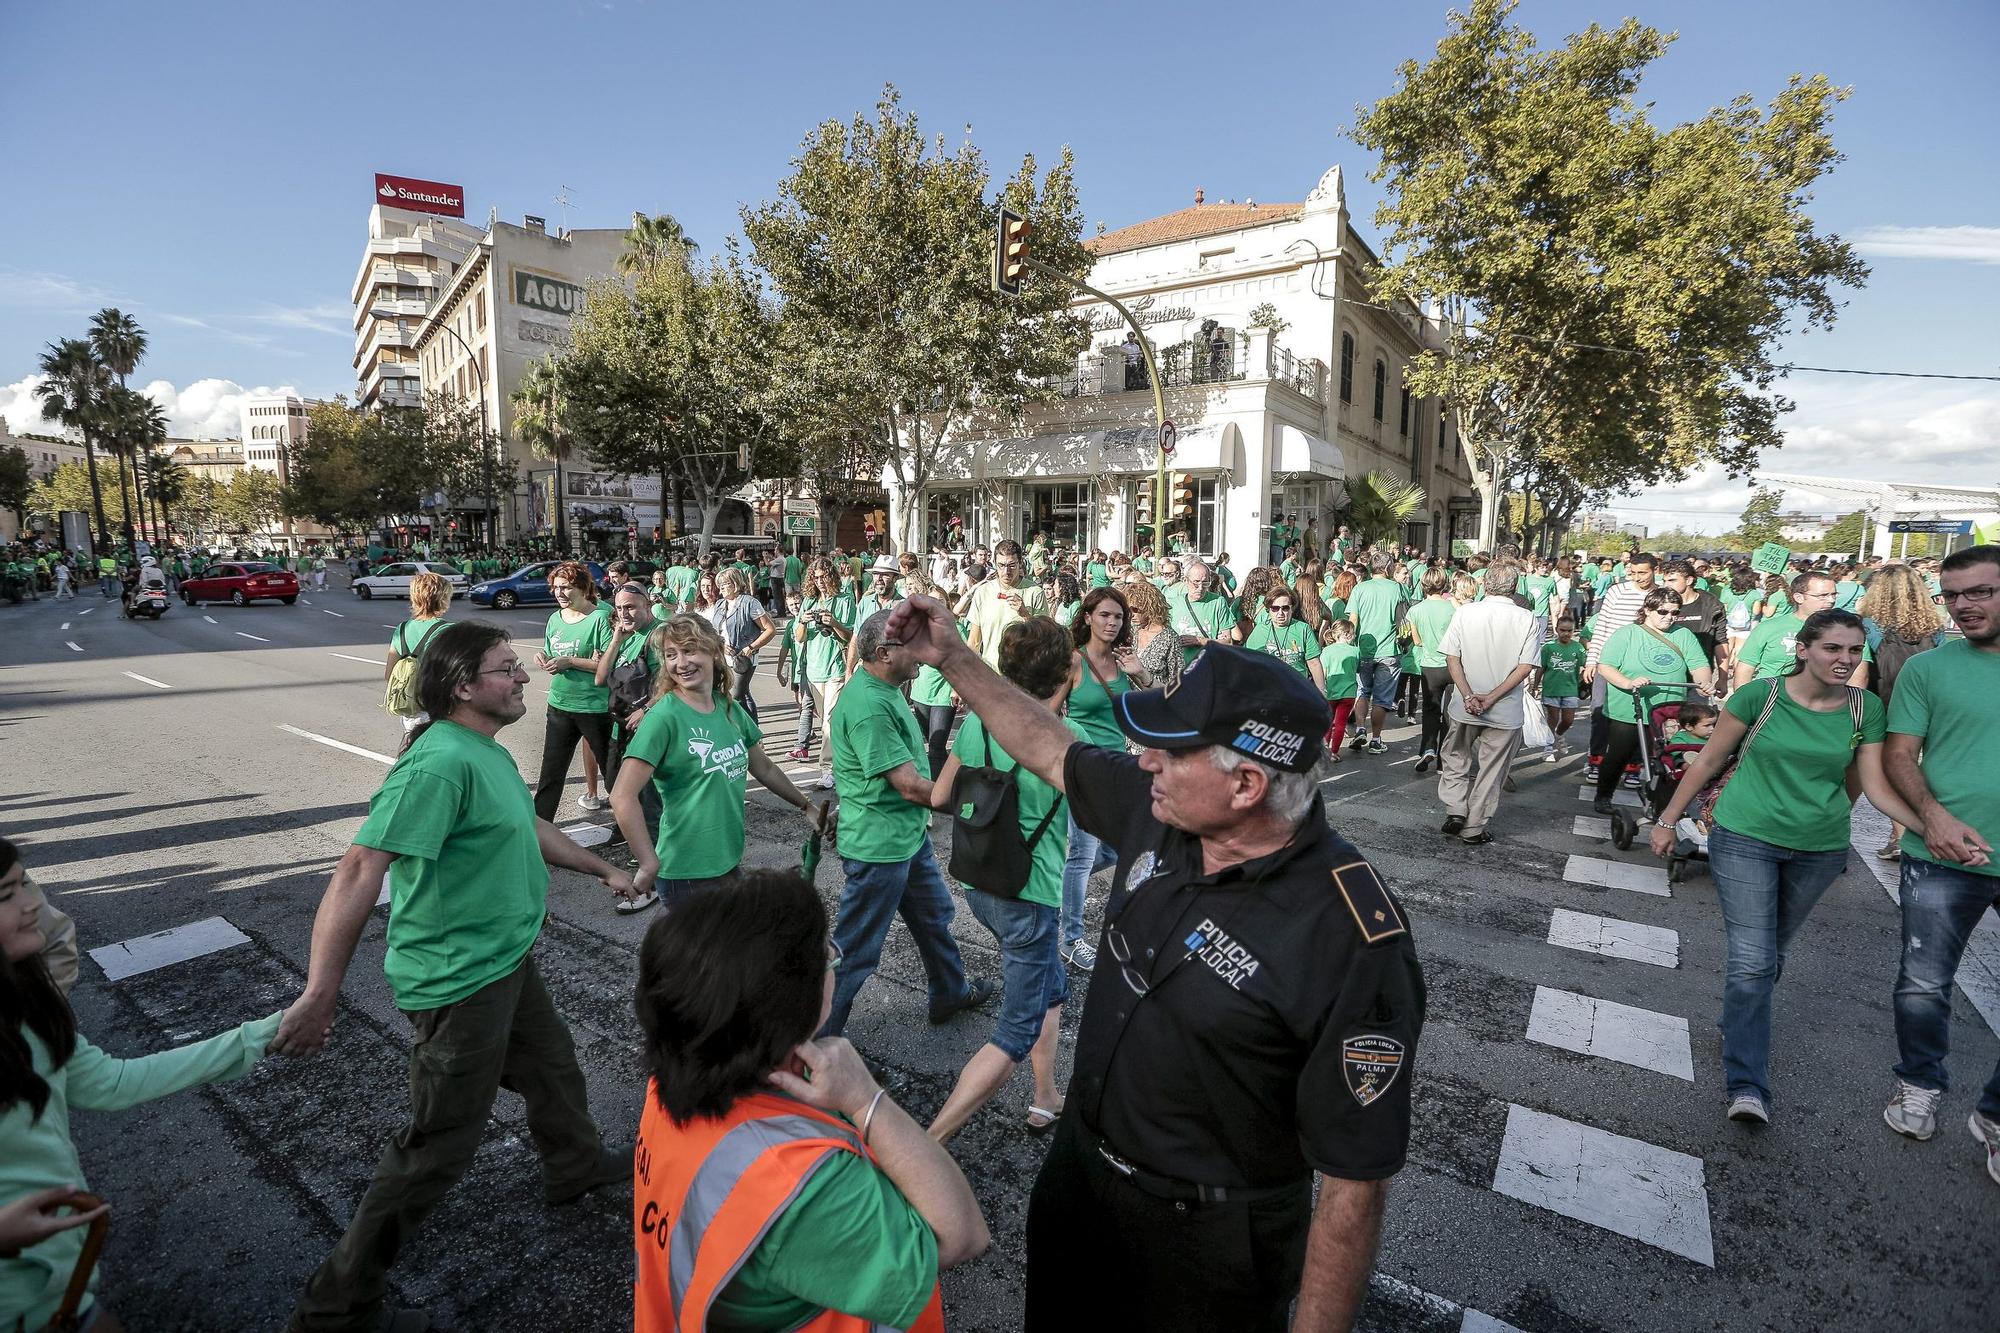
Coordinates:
<point>1900,620</point>
<point>697,746</point>
<point>1158,647</point>
<point>430,598</point>
<point>744,625</point>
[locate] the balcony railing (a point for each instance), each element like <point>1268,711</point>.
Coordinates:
<point>1225,360</point>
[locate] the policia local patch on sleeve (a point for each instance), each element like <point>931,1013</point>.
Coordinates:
<point>1371,1064</point>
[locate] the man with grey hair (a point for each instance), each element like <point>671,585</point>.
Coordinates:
<point>1490,648</point>
<point>1201,611</point>
<point>1262,1025</point>
<point>881,773</point>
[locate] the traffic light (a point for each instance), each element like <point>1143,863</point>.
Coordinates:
<point>452,526</point>
<point>1145,516</point>
<point>656,532</point>
<point>1010,252</point>
<point>1182,492</point>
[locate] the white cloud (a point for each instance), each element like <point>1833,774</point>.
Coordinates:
<point>23,411</point>
<point>327,317</point>
<point>28,289</point>
<point>207,409</point>
<point>1976,245</point>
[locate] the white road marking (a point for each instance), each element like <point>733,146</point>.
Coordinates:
<point>86,610</point>
<point>1612,938</point>
<point>148,680</point>
<point>1979,966</point>
<point>389,627</point>
<point>241,635</point>
<point>1478,1321</point>
<point>1617,875</point>
<point>162,948</point>
<point>323,611</point>
<point>338,745</point>
<point>306,600</point>
<point>586,834</point>
<point>371,661</point>
<point>1437,1308</point>
<point>1633,1188</point>
<point>74,646</point>
<point>1592,826</point>
<point>1623,796</point>
<point>211,620</point>
<point>65,624</point>
<point>1590,1026</point>
<point>1398,763</point>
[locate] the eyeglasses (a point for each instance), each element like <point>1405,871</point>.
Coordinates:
<point>1278,606</point>
<point>511,669</point>
<point>1121,950</point>
<point>1816,596</point>
<point>1984,593</point>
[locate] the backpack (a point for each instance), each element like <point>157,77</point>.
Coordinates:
<point>1892,651</point>
<point>401,696</point>
<point>988,851</point>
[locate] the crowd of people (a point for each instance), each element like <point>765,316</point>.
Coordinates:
<point>1054,713</point>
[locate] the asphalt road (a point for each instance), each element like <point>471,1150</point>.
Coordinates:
<point>1578,1178</point>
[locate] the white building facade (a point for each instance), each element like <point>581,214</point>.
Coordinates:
<point>271,425</point>
<point>409,258</point>
<point>1280,373</point>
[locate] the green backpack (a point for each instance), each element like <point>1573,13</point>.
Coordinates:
<point>401,696</point>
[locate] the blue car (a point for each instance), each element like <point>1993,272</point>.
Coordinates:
<point>526,586</point>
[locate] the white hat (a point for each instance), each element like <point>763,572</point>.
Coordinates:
<point>884,565</point>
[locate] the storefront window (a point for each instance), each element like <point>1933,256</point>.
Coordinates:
<point>1207,516</point>
<point>1061,510</point>
<point>948,519</point>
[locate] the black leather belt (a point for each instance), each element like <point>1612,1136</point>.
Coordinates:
<point>1178,1191</point>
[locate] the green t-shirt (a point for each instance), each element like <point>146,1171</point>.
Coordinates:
<point>637,647</point>
<point>1338,663</point>
<point>1537,588</point>
<point>411,636</point>
<point>930,688</point>
<point>1431,618</point>
<point>1098,573</point>
<point>850,1242</point>
<point>468,887</point>
<point>1562,669</point>
<point>1227,578</point>
<point>749,573</point>
<point>1846,593</point>
<point>795,570</point>
<point>1211,614</point>
<point>577,690</point>
<point>1064,613</point>
<point>872,732</point>
<point>1291,645</point>
<point>681,581</point>
<point>701,766</point>
<point>1038,801</point>
<point>1091,714</point>
<point>1635,652</point>
<point>825,652</point>
<point>1773,646</point>
<point>1288,570</point>
<point>1946,696</point>
<point>1372,608</point>
<point>1789,788</point>
<point>1143,563</point>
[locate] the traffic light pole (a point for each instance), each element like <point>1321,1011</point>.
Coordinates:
<point>1152,378</point>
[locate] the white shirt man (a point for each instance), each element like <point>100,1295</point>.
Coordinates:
<point>1490,648</point>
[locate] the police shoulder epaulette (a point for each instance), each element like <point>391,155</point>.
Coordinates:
<point>1368,899</point>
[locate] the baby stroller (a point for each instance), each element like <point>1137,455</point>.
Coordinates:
<point>1662,765</point>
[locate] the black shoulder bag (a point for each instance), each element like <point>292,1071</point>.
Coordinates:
<point>988,850</point>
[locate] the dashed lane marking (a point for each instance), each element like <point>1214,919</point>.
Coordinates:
<point>148,680</point>
<point>1434,1308</point>
<point>1627,1186</point>
<point>211,620</point>
<point>338,745</point>
<point>86,610</point>
<point>241,635</point>
<point>74,646</point>
<point>1611,938</point>
<point>306,600</point>
<point>323,611</point>
<point>1623,796</point>
<point>129,958</point>
<point>1617,875</point>
<point>65,624</point>
<point>1590,1026</point>
<point>371,661</point>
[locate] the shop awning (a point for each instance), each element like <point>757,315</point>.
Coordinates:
<point>1303,455</point>
<point>1129,450</point>
<point>1109,451</point>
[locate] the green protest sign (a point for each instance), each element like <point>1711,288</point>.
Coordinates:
<point>1771,558</point>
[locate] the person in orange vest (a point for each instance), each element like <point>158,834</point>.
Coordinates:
<point>775,1184</point>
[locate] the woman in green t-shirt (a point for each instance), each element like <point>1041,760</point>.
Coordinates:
<point>1105,665</point>
<point>931,697</point>
<point>1035,656</point>
<point>819,633</point>
<point>1635,663</point>
<point>1285,637</point>
<point>1428,620</point>
<point>697,747</point>
<point>1782,824</point>
<point>579,708</point>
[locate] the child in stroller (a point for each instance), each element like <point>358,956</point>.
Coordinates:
<point>1674,733</point>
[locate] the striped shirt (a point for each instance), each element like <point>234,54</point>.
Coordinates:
<point>1620,607</point>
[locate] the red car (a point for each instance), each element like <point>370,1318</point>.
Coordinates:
<point>240,583</point>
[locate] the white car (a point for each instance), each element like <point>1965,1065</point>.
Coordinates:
<point>394,580</point>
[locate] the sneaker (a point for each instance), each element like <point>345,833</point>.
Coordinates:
<point>1601,807</point>
<point>1424,764</point>
<point>826,779</point>
<point>1080,956</point>
<point>589,801</point>
<point>1988,1133</point>
<point>1360,741</point>
<point>1632,780</point>
<point>613,1168</point>
<point>1377,747</point>
<point>1549,755</point>
<point>798,756</point>
<point>1749,1108</point>
<point>1507,783</point>
<point>977,993</point>
<point>1590,771</point>
<point>633,906</point>
<point>1912,1112</point>
<point>1453,824</point>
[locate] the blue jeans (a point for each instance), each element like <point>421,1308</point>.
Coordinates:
<point>1766,892</point>
<point>1087,856</point>
<point>1941,905</point>
<point>1030,968</point>
<point>1378,679</point>
<point>873,897</point>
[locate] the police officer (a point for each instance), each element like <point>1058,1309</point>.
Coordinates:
<point>1259,1022</point>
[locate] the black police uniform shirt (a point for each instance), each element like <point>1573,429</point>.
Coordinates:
<point>1278,1031</point>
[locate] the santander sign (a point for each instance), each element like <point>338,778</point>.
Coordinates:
<point>420,196</point>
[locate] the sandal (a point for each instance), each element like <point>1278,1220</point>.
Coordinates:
<point>629,906</point>
<point>1047,1119</point>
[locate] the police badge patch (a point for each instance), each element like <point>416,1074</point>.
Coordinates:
<point>1371,1064</point>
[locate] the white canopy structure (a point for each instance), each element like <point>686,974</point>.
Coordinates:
<point>1884,502</point>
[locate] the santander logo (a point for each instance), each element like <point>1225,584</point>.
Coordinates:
<point>420,196</point>
<point>387,191</point>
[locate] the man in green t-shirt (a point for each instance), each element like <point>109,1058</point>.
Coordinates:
<point>881,774</point>
<point>1939,754</point>
<point>1373,607</point>
<point>466,862</point>
<point>880,596</point>
<point>1202,614</point>
<point>1773,646</point>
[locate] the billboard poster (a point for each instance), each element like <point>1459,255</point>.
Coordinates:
<point>420,196</point>
<point>604,486</point>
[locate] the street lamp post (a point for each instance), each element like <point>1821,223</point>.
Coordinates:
<point>485,442</point>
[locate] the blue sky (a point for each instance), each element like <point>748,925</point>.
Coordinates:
<point>207,166</point>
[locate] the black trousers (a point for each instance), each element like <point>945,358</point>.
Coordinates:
<point>560,734</point>
<point>935,719</point>
<point>1621,747</point>
<point>1600,730</point>
<point>1104,1254</point>
<point>1437,688</point>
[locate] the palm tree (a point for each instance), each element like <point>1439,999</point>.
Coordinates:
<point>168,482</point>
<point>127,419</point>
<point>538,424</point>
<point>652,239</point>
<point>73,385</point>
<point>149,426</point>
<point>1378,505</point>
<point>119,343</point>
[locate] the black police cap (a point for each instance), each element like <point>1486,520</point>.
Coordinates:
<point>1250,702</point>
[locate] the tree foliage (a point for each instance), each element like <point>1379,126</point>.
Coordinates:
<point>16,478</point>
<point>880,246</point>
<point>1613,289</point>
<point>1759,522</point>
<point>356,468</point>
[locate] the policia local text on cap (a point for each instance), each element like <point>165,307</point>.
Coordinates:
<point>1257,1021</point>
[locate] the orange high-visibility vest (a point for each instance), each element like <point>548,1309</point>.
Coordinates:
<point>704,1196</point>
